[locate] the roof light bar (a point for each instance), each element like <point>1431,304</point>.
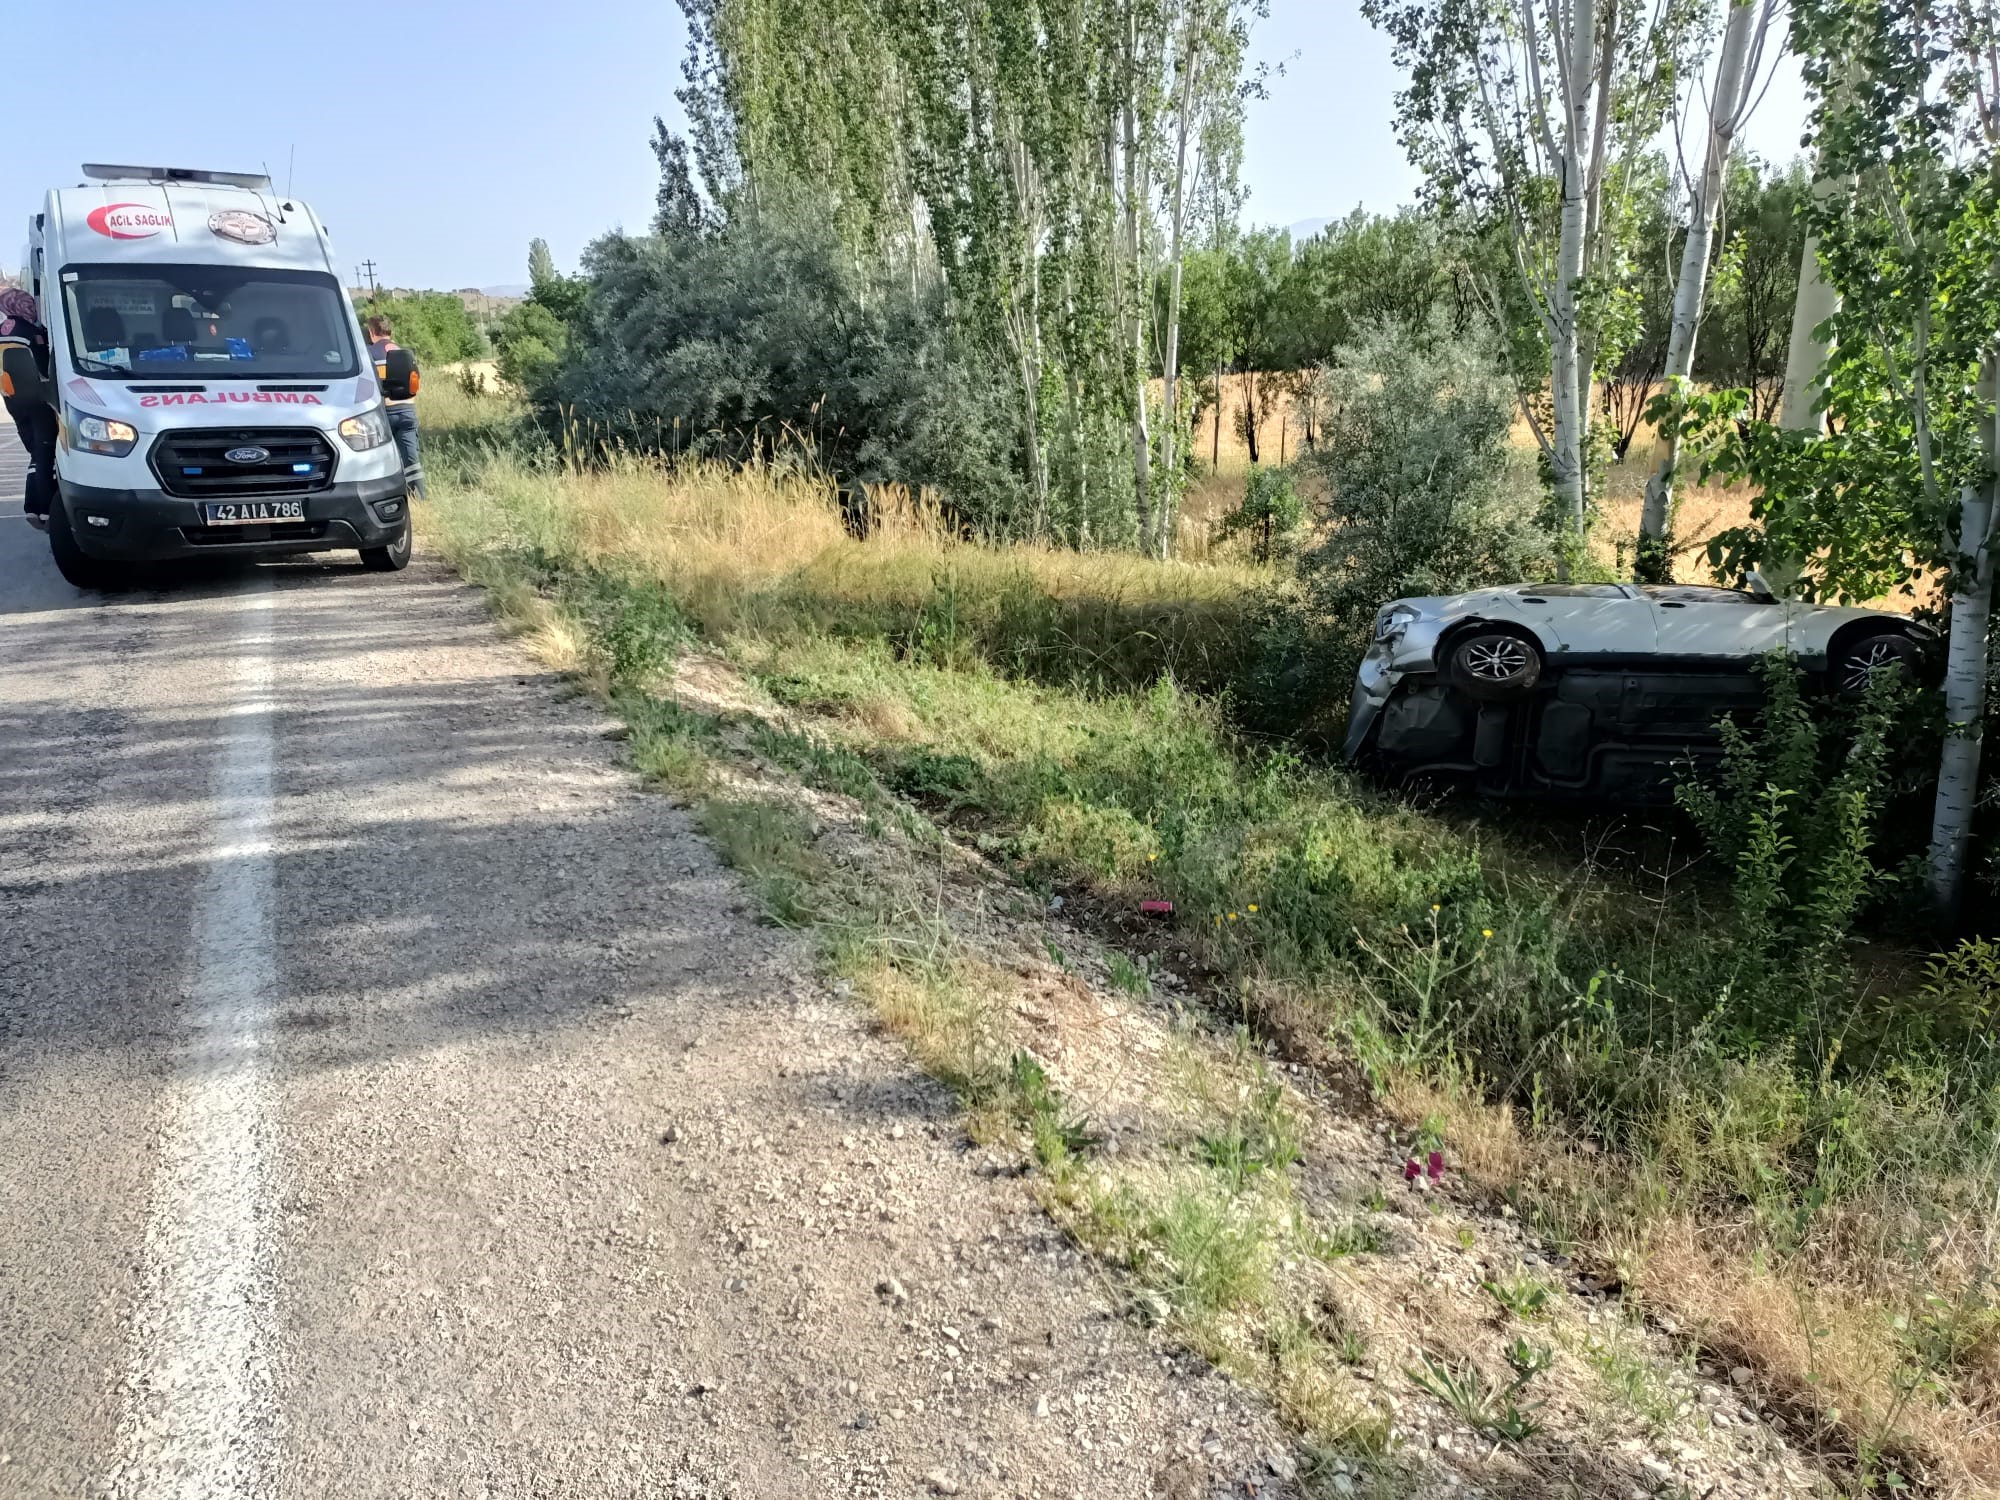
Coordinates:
<point>255,181</point>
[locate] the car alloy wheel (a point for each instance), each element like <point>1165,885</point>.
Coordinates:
<point>1882,653</point>
<point>1493,666</point>
<point>1496,658</point>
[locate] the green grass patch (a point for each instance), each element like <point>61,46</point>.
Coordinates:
<point>1260,1135</point>
<point>1057,1138</point>
<point>1204,1250</point>
<point>1070,715</point>
<point>771,846</point>
<point>1522,1296</point>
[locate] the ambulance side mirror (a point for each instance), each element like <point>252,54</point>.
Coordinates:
<point>399,375</point>
<point>20,377</point>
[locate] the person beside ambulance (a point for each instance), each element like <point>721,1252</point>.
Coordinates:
<point>34,419</point>
<point>400,400</point>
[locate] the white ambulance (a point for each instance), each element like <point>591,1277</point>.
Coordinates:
<point>213,387</point>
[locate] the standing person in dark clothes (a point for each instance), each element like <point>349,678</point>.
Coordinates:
<point>21,324</point>
<point>402,409</point>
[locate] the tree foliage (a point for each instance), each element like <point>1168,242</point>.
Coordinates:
<point>1870,508</point>
<point>1421,488</point>
<point>1527,121</point>
<point>1755,279</point>
<point>763,342</point>
<point>678,207</point>
<point>434,326</point>
<point>1012,156</point>
<point>532,339</point>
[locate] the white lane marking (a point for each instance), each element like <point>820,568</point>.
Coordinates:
<point>197,1422</point>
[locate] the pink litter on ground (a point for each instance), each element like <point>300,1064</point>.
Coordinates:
<point>1157,908</point>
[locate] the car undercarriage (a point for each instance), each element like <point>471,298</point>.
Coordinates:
<point>1611,732</point>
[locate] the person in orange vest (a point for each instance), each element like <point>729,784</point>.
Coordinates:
<point>35,420</point>
<point>402,410</point>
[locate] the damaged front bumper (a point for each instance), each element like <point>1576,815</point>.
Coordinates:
<point>1374,685</point>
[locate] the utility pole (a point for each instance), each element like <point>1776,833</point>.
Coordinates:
<point>369,267</point>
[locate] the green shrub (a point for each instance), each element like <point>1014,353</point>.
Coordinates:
<point>1421,488</point>
<point>1271,515</point>
<point>434,326</point>
<point>1794,809</point>
<point>763,342</point>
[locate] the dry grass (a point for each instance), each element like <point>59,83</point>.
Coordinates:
<point>1833,1337</point>
<point>761,564</point>
<point>763,555</point>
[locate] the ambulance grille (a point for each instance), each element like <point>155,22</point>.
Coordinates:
<point>193,464</point>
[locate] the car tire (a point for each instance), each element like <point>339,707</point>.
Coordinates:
<point>1493,666</point>
<point>390,559</point>
<point>78,568</point>
<point>1861,658</point>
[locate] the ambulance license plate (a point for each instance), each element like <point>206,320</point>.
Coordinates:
<point>251,512</point>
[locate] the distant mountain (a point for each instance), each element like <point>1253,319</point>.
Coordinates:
<point>1305,229</point>
<point>518,289</point>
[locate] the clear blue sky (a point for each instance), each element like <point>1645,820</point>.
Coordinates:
<point>438,137</point>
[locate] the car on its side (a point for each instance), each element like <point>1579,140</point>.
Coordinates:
<point>1592,689</point>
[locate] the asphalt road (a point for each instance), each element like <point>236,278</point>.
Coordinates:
<point>397,1100</point>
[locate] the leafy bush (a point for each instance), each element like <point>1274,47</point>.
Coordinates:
<point>530,341</point>
<point>1271,513</point>
<point>764,343</point>
<point>1424,492</point>
<point>1419,490</point>
<point>434,326</point>
<point>1794,810</point>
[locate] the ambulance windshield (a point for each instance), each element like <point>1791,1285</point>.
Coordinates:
<point>207,323</point>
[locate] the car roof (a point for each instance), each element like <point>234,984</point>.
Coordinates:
<point>1694,593</point>
<point>1691,593</point>
<point>1573,590</point>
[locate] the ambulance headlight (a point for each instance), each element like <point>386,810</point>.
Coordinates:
<point>101,435</point>
<point>369,430</point>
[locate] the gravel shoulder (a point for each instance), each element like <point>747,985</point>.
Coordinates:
<point>565,1176</point>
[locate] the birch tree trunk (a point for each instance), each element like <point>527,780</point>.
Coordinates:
<point>1725,117</point>
<point>1565,365</point>
<point>1806,354</point>
<point>1135,189</point>
<point>1816,301</point>
<point>1171,361</point>
<point>1965,669</point>
<point>1565,362</point>
<point>1169,456</point>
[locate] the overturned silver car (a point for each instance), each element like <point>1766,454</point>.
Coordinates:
<point>1594,689</point>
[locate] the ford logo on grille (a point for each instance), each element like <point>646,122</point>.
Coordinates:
<point>247,455</point>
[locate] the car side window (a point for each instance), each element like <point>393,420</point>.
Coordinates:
<point>1690,593</point>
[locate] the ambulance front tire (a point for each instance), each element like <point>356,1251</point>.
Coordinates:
<point>390,559</point>
<point>78,567</point>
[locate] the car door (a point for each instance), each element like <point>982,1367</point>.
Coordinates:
<point>1590,623</point>
<point>1704,626</point>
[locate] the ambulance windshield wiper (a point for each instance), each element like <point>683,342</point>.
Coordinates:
<point>83,360</point>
